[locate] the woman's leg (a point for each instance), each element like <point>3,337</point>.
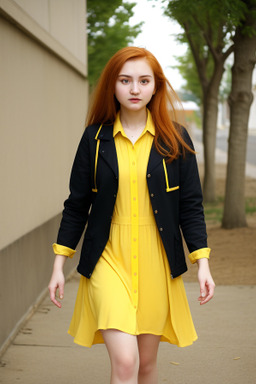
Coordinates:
<point>124,356</point>
<point>148,348</point>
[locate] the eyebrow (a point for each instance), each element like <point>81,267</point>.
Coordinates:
<point>124,75</point>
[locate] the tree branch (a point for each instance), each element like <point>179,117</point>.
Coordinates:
<point>200,64</point>
<point>228,52</point>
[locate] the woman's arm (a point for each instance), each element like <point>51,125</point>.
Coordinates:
<point>57,280</point>
<point>206,282</point>
<point>193,222</point>
<point>77,206</point>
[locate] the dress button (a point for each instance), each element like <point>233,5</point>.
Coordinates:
<point>148,175</point>
<point>152,195</point>
<point>156,211</point>
<point>161,229</point>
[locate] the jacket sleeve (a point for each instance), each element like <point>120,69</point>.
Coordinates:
<point>192,220</point>
<point>76,207</point>
<point>64,251</point>
<point>202,253</point>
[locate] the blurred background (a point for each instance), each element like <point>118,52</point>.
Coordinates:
<point>52,53</point>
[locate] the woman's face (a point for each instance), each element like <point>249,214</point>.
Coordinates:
<point>135,85</point>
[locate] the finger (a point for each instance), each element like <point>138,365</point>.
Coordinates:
<point>205,300</point>
<point>203,291</point>
<point>61,291</point>
<point>209,296</point>
<point>56,302</point>
<point>53,298</point>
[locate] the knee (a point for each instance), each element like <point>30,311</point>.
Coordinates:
<point>126,367</point>
<point>147,366</point>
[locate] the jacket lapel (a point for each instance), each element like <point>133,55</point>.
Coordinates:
<point>108,151</point>
<point>154,159</point>
<point>107,147</point>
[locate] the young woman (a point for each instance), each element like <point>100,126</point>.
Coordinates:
<point>134,186</point>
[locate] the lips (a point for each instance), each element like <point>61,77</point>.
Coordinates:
<point>134,100</point>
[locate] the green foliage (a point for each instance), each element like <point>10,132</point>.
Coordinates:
<point>214,211</point>
<point>108,31</point>
<point>209,28</point>
<point>192,89</point>
<point>250,205</point>
<point>203,15</point>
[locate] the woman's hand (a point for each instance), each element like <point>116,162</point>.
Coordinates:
<point>206,282</point>
<point>57,280</point>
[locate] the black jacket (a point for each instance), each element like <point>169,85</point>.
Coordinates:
<point>174,189</point>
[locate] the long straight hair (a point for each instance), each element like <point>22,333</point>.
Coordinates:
<point>165,106</point>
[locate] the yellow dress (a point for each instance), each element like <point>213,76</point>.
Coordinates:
<point>131,288</point>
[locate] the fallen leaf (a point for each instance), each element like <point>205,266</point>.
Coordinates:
<point>174,363</point>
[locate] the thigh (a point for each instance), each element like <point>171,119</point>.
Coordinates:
<point>148,347</point>
<point>121,346</point>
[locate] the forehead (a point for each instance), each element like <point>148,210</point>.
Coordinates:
<point>136,67</point>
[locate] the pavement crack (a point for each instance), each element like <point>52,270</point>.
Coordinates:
<point>26,331</point>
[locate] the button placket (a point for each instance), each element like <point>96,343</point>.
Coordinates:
<point>134,223</point>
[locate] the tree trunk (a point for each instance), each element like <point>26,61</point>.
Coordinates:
<point>240,101</point>
<point>210,116</point>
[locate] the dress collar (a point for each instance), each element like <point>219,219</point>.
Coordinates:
<point>150,127</point>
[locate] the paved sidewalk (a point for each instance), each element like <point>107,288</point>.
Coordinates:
<point>225,352</point>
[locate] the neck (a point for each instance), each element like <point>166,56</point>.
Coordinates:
<point>133,119</point>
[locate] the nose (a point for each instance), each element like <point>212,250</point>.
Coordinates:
<point>134,88</point>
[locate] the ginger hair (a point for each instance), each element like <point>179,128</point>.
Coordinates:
<point>165,106</point>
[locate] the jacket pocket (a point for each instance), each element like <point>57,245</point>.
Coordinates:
<point>95,189</point>
<point>168,189</point>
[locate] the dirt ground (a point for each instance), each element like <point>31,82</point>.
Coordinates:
<point>233,256</point>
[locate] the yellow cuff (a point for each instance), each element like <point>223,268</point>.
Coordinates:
<point>62,250</point>
<point>199,254</point>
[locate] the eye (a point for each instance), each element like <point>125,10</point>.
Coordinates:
<point>124,81</point>
<point>144,81</point>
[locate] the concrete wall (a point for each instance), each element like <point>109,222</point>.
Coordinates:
<point>44,97</point>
